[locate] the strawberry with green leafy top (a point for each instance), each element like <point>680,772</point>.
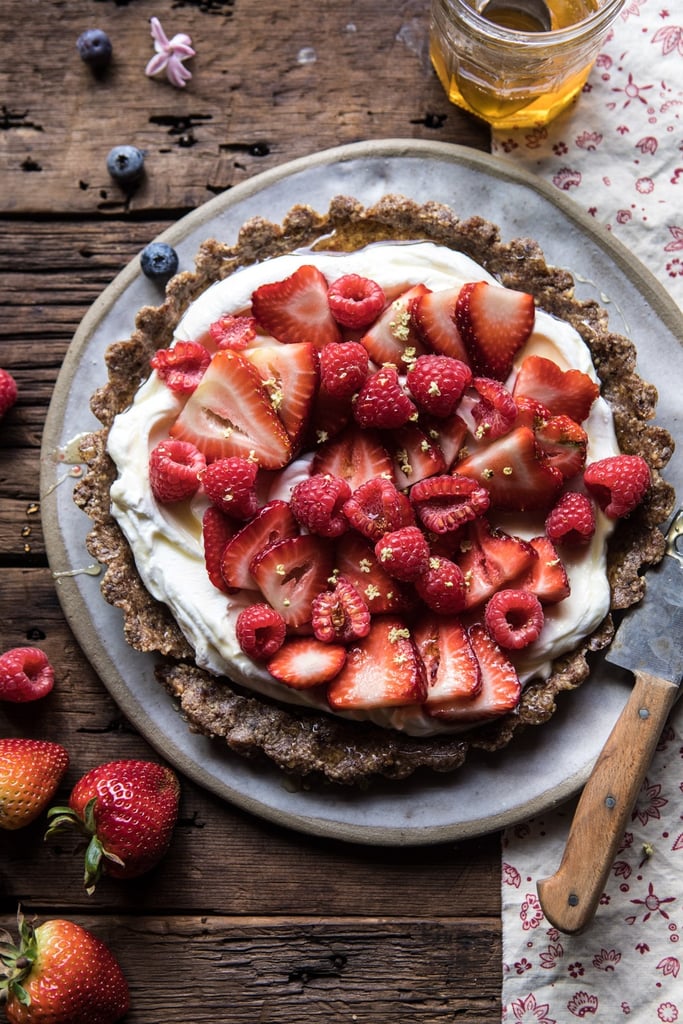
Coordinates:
<point>30,772</point>
<point>128,810</point>
<point>60,973</point>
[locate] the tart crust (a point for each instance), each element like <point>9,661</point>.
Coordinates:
<point>313,744</point>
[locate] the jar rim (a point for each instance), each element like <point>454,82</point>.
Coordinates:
<point>590,25</point>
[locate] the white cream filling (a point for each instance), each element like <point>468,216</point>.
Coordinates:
<point>168,549</point>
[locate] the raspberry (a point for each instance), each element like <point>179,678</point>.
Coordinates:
<point>174,470</point>
<point>514,618</point>
<point>340,615</point>
<point>618,483</point>
<point>355,301</point>
<point>217,530</point>
<point>343,368</point>
<point>317,504</point>
<point>8,391</point>
<point>437,383</point>
<point>25,674</point>
<point>182,367</point>
<point>445,503</point>
<point>234,332</point>
<point>495,412</point>
<point>377,507</point>
<point>404,553</point>
<point>260,631</point>
<point>442,586</point>
<point>572,521</point>
<point>382,402</point>
<point>231,485</point>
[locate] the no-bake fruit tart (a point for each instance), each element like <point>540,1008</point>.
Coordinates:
<point>371,483</point>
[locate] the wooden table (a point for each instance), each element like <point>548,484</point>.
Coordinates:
<point>243,920</point>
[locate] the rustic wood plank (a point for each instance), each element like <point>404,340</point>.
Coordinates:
<point>283,82</point>
<point>219,968</point>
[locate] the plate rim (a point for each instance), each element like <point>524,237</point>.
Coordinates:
<point>71,599</point>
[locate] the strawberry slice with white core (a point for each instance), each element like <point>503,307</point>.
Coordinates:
<point>565,444</point>
<point>434,317</point>
<point>393,338</point>
<point>383,670</point>
<point>500,687</point>
<point>453,674</point>
<point>489,558</point>
<point>515,471</point>
<point>290,376</point>
<point>230,413</point>
<point>449,435</point>
<point>495,323</point>
<point>296,309</point>
<point>562,392</point>
<point>291,573</point>
<point>355,455</point>
<point>304,662</point>
<point>272,523</point>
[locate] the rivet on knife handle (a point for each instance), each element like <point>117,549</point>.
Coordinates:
<point>570,897</point>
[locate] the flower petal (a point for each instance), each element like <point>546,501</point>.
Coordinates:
<point>177,73</point>
<point>157,64</point>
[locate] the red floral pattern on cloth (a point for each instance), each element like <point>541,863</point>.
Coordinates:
<point>619,150</point>
<point>628,964</point>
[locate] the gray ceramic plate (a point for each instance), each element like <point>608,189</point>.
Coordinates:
<point>546,765</point>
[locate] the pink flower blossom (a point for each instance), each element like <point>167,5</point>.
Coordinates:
<point>170,54</point>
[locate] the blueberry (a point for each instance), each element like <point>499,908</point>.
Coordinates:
<point>159,261</point>
<point>125,164</point>
<point>94,47</point>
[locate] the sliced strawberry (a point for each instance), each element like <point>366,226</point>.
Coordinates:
<point>494,323</point>
<point>495,412</point>
<point>230,413</point>
<point>562,392</point>
<point>489,558</point>
<point>291,573</point>
<point>356,561</point>
<point>304,662</point>
<point>296,309</point>
<point>414,454</point>
<point>515,471</point>
<point>329,417</point>
<point>290,376</point>
<point>500,687</point>
<point>272,523</point>
<point>393,338</point>
<point>448,434</point>
<point>530,413</point>
<point>545,576</point>
<point>355,455</point>
<point>453,674</point>
<point>217,530</point>
<point>381,671</point>
<point>565,444</point>
<point>434,317</point>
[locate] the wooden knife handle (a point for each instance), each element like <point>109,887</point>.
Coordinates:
<point>569,898</point>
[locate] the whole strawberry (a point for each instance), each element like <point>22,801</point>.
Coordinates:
<point>8,391</point>
<point>60,973</point>
<point>30,771</point>
<point>128,809</point>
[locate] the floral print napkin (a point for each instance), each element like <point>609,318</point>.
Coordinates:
<point>628,964</point>
<point>618,151</point>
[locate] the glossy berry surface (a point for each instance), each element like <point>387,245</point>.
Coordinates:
<point>125,164</point>
<point>159,261</point>
<point>94,48</point>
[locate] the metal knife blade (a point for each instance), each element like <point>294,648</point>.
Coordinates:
<point>649,642</point>
<point>650,637</point>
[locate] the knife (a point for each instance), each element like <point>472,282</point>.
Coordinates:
<point>649,643</point>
